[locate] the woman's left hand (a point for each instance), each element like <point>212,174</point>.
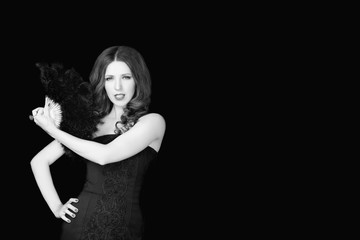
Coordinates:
<point>42,117</point>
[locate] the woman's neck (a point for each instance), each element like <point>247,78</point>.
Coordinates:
<point>116,113</point>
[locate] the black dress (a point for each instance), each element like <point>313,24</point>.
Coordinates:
<point>109,202</point>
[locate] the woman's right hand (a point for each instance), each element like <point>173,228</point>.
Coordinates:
<point>65,209</point>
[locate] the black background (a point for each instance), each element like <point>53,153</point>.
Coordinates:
<point>183,192</point>
<point>229,82</point>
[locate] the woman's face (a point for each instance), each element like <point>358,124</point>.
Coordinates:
<point>119,83</point>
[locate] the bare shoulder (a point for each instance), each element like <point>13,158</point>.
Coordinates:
<point>156,120</point>
<point>153,117</point>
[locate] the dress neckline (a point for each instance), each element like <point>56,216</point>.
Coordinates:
<point>112,134</point>
<point>108,134</point>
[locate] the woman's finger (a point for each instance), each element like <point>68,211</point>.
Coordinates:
<point>66,208</point>
<point>34,112</point>
<point>39,112</point>
<point>70,206</point>
<point>74,209</point>
<point>66,219</point>
<point>71,214</point>
<point>73,200</point>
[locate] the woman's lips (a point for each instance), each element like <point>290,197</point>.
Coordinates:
<point>119,96</point>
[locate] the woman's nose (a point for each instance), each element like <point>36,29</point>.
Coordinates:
<point>118,84</point>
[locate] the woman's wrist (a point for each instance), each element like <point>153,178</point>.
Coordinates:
<point>56,210</point>
<point>53,131</point>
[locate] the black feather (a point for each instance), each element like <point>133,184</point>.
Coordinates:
<point>74,95</point>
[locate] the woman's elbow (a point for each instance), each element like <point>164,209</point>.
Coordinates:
<point>101,159</point>
<point>106,157</point>
<point>39,161</point>
<point>35,161</point>
<point>31,163</point>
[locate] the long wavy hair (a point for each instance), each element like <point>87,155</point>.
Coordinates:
<point>139,104</point>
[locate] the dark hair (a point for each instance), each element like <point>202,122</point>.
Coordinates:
<point>139,104</point>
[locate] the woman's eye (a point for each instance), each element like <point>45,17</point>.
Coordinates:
<point>108,78</point>
<point>126,77</point>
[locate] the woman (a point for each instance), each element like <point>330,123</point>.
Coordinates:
<point>126,140</point>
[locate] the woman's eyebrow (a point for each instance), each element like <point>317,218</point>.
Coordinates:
<point>120,75</point>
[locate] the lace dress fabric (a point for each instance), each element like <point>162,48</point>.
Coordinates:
<point>109,202</point>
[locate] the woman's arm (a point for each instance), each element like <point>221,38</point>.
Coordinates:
<point>40,165</point>
<point>149,128</point>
